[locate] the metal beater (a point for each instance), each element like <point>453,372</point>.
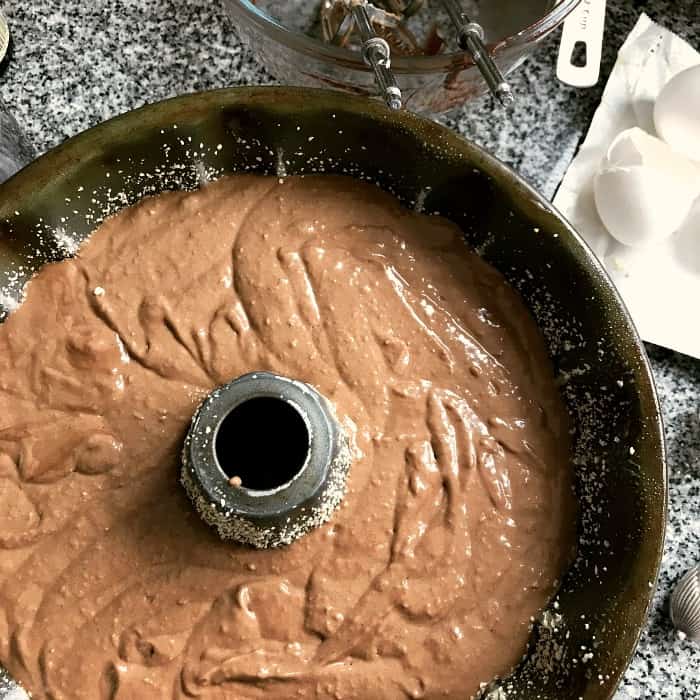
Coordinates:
<point>376,52</point>
<point>470,36</point>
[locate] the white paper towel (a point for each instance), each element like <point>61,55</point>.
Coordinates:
<point>659,284</point>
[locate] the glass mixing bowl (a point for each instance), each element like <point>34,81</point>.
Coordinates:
<point>274,30</point>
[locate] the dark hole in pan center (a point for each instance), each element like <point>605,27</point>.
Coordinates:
<point>264,442</point>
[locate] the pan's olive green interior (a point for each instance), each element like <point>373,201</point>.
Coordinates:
<point>604,375</point>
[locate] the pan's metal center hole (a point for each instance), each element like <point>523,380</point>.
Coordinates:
<point>265,460</point>
<point>263,442</point>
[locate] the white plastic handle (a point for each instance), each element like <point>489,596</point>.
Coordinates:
<point>585,25</point>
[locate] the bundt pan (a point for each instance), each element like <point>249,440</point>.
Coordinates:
<point>579,647</point>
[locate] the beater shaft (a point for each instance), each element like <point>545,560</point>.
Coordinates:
<point>377,55</point>
<point>470,36</point>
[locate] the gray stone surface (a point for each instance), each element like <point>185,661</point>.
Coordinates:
<point>75,63</point>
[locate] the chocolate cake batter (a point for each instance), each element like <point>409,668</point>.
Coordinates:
<point>459,516</point>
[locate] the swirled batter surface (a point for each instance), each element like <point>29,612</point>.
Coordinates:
<point>459,515</point>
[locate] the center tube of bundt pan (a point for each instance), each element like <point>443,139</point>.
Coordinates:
<point>265,460</point>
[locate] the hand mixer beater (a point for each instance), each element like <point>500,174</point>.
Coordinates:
<point>341,18</point>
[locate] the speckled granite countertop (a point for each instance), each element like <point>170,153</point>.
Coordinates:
<point>78,62</point>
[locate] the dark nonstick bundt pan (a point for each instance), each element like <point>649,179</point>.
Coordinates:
<point>582,644</point>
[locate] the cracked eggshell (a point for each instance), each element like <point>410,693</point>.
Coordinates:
<point>677,113</point>
<point>643,189</point>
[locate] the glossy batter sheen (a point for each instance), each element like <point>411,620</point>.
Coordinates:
<point>459,516</point>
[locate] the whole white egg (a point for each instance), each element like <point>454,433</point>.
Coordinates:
<point>677,112</point>
<point>643,189</point>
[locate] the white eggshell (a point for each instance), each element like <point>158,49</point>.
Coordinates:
<point>677,113</point>
<point>643,189</point>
